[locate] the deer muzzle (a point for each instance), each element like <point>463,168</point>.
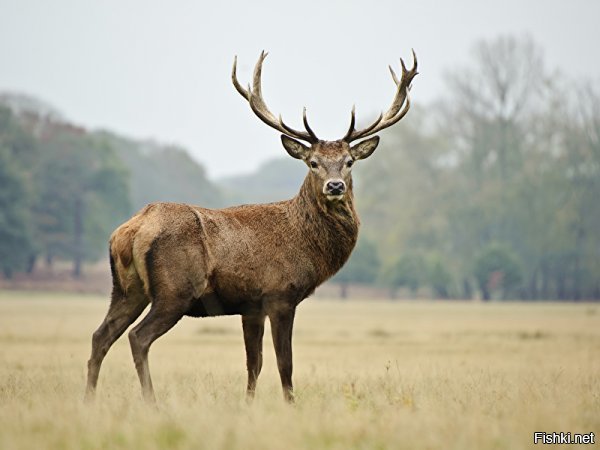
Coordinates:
<point>334,188</point>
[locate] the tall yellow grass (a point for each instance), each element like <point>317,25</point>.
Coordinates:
<point>368,375</point>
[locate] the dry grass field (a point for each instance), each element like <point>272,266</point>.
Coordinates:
<point>368,375</point>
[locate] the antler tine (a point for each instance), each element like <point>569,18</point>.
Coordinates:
<point>352,134</point>
<point>414,55</point>
<point>236,83</point>
<point>394,77</point>
<point>352,122</point>
<point>257,76</point>
<point>307,126</point>
<point>395,112</point>
<point>254,97</point>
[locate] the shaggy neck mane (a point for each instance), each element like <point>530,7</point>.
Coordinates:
<point>330,228</point>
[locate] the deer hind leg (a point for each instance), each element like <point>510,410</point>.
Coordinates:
<point>157,322</point>
<point>282,322</point>
<point>254,328</point>
<point>122,312</point>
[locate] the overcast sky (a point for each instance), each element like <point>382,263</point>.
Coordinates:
<point>161,70</point>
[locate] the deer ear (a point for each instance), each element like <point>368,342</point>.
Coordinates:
<point>294,148</point>
<point>364,149</point>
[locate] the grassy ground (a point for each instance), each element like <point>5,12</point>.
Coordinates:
<point>368,375</point>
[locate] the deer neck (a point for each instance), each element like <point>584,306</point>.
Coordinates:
<point>329,228</point>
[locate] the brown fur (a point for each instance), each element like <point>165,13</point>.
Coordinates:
<point>252,260</point>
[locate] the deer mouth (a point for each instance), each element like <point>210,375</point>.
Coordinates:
<point>335,197</point>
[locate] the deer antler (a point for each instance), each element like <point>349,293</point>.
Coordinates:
<point>254,96</point>
<point>394,113</point>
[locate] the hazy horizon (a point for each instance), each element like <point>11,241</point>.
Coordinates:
<point>162,71</point>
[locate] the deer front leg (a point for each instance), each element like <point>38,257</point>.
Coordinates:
<point>254,328</point>
<point>282,321</point>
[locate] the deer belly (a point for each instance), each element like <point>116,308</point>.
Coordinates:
<point>212,305</point>
<point>255,285</point>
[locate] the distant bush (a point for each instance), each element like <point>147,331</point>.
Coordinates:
<point>408,271</point>
<point>439,278</point>
<point>497,269</point>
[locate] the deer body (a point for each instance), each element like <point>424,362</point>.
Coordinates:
<point>257,261</point>
<point>235,259</point>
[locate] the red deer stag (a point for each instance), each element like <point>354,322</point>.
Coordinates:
<point>252,260</point>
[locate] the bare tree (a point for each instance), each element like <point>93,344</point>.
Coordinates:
<point>493,98</point>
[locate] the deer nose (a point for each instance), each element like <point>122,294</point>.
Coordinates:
<point>335,187</point>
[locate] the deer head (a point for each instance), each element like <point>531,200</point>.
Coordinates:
<point>330,162</point>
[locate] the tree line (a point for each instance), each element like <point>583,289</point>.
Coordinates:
<point>490,191</point>
<point>493,189</point>
<point>63,189</point>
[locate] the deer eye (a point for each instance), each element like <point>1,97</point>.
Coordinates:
<point>314,164</point>
<point>349,163</point>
